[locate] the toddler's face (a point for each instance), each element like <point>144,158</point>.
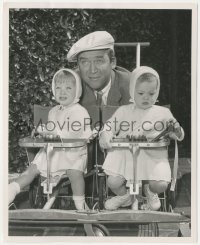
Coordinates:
<point>145,94</point>
<point>65,91</point>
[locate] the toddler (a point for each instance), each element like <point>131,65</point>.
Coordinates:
<point>141,118</point>
<point>66,88</point>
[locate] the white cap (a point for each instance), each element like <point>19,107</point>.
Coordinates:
<point>94,41</point>
<point>77,81</point>
<point>136,73</point>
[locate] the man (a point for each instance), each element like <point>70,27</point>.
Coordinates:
<point>103,82</point>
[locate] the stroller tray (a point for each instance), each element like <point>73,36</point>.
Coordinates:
<point>40,142</point>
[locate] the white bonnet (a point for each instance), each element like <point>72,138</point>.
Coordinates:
<point>136,73</point>
<point>78,83</point>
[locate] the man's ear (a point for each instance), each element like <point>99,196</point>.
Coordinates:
<point>113,62</point>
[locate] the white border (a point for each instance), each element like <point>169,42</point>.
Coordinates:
<point>124,5</point>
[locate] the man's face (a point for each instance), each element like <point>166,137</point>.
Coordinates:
<point>95,68</point>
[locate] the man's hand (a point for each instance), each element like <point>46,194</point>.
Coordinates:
<point>105,140</point>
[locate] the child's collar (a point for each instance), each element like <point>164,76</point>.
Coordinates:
<point>63,107</point>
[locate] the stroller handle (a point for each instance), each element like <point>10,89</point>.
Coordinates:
<point>132,44</point>
<point>138,45</point>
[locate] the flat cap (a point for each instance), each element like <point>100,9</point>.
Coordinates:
<point>94,41</point>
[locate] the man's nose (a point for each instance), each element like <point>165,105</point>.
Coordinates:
<point>93,67</point>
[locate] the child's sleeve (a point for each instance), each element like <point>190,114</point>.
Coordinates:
<point>51,124</point>
<point>51,113</point>
<point>77,125</point>
<point>169,117</point>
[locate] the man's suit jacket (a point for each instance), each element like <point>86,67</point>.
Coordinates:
<point>118,93</point>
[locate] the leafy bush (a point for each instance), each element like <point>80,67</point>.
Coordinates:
<point>39,42</point>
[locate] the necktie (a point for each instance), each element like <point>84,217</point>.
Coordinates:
<point>99,100</point>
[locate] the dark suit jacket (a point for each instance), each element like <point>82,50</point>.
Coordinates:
<point>119,91</point>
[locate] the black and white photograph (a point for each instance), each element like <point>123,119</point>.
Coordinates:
<point>101,122</point>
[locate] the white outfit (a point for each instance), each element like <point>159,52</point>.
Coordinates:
<point>152,163</point>
<point>66,158</point>
<point>68,122</point>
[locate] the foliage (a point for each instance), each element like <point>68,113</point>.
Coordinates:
<point>39,40</point>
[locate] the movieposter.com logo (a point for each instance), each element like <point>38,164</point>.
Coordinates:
<point>125,126</point>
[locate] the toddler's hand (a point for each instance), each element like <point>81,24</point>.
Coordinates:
<point>46,134</point>
<point>136,134</point>
<point>105,140</point>
<point>41,129</point>
<point>176,130</point>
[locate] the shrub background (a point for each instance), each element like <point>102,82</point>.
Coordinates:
<point>39,40</point>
